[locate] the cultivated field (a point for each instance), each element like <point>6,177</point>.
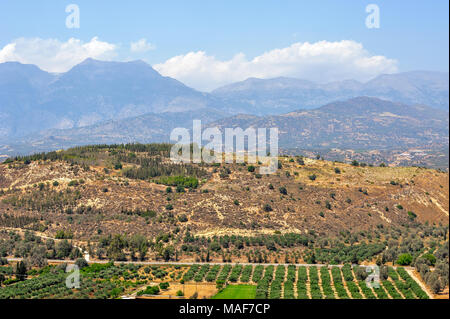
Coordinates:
<point>100,281</point>
<point>237,292</point>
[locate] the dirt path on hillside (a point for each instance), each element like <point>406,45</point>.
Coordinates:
<point>419,281</point>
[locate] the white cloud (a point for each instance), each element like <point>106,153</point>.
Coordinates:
<point>55,56</point>
<point>321,61</point>
<point>141,46</point>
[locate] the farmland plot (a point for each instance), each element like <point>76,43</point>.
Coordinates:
<point>257,281</point>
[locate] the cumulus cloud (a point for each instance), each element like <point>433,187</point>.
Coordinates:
<point>141,46</point>
<point>321,61</point>
<point>55,56</point>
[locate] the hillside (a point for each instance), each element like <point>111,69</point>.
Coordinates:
<point>361,123</point>
<point>367,129</point>
<point>147,128</point>
<point>91,193</point>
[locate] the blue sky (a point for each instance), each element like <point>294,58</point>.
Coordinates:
<point>413,33</point>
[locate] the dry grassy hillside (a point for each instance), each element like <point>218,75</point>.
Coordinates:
<point>94,199</point>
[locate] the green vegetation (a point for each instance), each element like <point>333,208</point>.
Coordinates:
<point>237,292</point>
<point>412,215</point>
<point>412,283</point>
<point>283,190</point>
<point>314,283</point>
<point>150,290</point>
<point>289,283</point>
<point>366,290</point>
<point>391,289</point>
<point>326,283</point>
<point>301,283</point>
<point>235,273</point>
<point>258,273</point>
<point>354,290</point>
<point>98,281</point>
<point>342,253</point>
<point>262,288</point>
<point>212,274</point>
<point>246,273</point>
<point>338,284</point>
<point>278,282</point>
<point>404,259</point>
<point>438,278</point>
<point>275,287</point>
<point>223,275</point>
<point>120,226</point>
<point>189,275</point>
<point>183,181</point>
<point>201,273</point>
<point>380,292</point>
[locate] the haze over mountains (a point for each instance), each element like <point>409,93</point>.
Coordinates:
<point>33,100</point>
<point>147,128</point>
<point>279,95</point>
<point>359,123</point>
<point>109,102</point>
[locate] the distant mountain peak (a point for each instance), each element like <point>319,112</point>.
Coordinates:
<point>90,62</point>
<point>95,91</point>
<point>16,65</point>
<point>94,62</point>
<point>20,73</point>
<point>92,68</point>
<point>284,94</point>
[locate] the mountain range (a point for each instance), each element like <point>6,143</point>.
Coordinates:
<point>279,95</point>
<point>32,100</point>
<point>362,123</point>
<point>112,102</point>
<point>359,123</point>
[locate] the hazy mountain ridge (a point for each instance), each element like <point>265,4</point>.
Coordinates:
<point>288,94</point>
<point>359,123</point>
<point>20,87</point>
<point>122,102</point>
<point>32,100</point>
<point>91,92</point>
<point>147,128</point>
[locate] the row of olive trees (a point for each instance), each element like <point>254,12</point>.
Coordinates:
<point>438,278</point>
